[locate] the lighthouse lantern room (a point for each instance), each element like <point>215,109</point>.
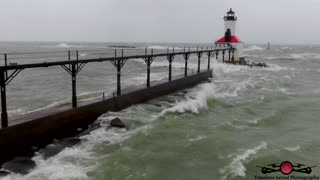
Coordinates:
<point>231,39</point>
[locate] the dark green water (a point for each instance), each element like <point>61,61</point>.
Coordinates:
<point>245,117</point>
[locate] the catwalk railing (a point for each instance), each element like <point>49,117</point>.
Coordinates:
<point>72,63</point>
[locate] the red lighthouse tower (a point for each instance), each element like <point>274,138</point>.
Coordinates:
<point>230,37</point>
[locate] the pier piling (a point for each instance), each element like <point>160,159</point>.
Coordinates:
<point>6,64</point>
<point>148,60</point>
<point>69,58</point>
<point>118,63</point>
<point>74,85</point>
<point>232,55</point>
<point>223,53</point>
<point>209,53</point>
<point>170,58</point>
<point>199,54</point>
<point>118,78</point>
<point>4,114</point>
<point>186,58</point>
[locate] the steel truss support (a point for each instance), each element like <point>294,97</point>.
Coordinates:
<point>5,79</point>
<point>199,55</point>
<point>9,78</point>
<point>170,58</point>
<point>4,113</point>
<point>209,53</point>
<point>186,58</point>
<point>73,69</point>
<point>149,60</point>
<point>118,64</point>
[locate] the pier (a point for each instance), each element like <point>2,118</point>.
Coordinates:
<point>39,128</point>
<point>9,71</point>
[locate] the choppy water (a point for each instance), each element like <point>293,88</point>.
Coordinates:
<point>245,117</point>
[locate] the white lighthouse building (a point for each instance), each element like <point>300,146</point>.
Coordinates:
<point>231,39</point>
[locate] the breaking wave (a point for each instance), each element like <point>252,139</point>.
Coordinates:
<point>65,45</point>
<point>63,166</point>
<point>285,48</point>
<point>77,161</point>
<point>306,56</point>
<point>236,167</point>
<point>253,48</point>
<point>220,88</point>
<point>198,98</point>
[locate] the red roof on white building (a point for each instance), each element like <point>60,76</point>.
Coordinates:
<point>233,39</point>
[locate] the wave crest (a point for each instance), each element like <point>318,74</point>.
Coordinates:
<point>63,45</point>
<point>306,55</point>
<point>253,48</point>
<point>236,167</point>
<point>162,47</point>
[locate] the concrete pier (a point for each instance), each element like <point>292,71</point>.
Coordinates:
<point>40,128</point>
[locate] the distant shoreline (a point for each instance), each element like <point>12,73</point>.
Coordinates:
<point>121,46</point>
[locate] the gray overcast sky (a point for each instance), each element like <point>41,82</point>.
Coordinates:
<point>259,21</point>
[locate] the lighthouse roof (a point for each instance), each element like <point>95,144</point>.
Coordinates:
<point>233,39</point>
<point>230,11</point>
<point>230,16</point>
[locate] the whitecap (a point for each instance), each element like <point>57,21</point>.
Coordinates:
<point>266,89</point>
<point>83,54</point>
<point>295,148</point>
<point>254,121</point>
<point>197,138</point>
<point>223,68</point>
<point>285,48</point>
<point>197,99</point>
<point>63,45</point>
<point>236,167</point>
<point>285,91</point>
<point>253,48</point>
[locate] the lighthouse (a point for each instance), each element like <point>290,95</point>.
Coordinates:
<point>231,39</point>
